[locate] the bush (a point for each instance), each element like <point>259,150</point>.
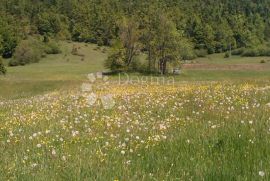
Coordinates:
<point>3,69</point>
<point>238,51</point>
<point>255,52</point>
<point>250,53</point>
<point>227,55</point>
<point>139,65</point>
<point>262,61</point>
<point>52,48</point>
<point>28,51</point>
<point>201,53</point>
<point>265,51</point>
<point>13,62</point>
<point>8,44</point>
<point>100,42</point>
<point>189,57</point>
<point>186,50</point>
<point>115,61</point>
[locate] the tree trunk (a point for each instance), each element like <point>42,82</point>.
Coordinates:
<point>164,67</point>
<point>149,59</point>
<point>160,66</point>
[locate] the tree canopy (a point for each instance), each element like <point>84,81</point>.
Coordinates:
<point>209,25</point>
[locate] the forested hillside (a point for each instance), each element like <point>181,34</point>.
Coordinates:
<point>200,25</point>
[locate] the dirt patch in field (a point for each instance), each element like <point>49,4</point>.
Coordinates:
<point>226,67</point>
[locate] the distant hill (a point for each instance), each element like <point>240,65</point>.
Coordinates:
<point>208,23</point>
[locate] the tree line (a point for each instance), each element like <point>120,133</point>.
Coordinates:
<point>165,30</point>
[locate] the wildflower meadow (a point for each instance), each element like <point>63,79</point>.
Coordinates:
<point>199,131</point>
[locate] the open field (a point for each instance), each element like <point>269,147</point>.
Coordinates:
<point>66,71</point>
<point>115,90</point>
<point>212,124</point>
<point>188,132</point>
<point>51,73</point>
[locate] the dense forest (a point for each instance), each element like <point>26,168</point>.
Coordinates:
<point>164,30</point>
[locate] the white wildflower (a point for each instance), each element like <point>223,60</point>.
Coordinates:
<point>53,152</point>
<point>261,173</point>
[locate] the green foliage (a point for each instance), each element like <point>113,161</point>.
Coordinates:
<point>250,53</point>
<point>254,52</point>
<point>28,51</point>
<point>8,40</point>
<point>264,51</point>
<point>129,37</point>
<point>238,51</point>
<point>3,69</point>
<point>186,49</point>
<point>12,29</point>
<point>32,50</point>
<point>52,48</point>
<point>116,59</point>
<point>201,52</point>
<point>262,61</point>
<point>215,26</point>
<point>48,23</point>
<point>170,44</point>
<point>227,55</point>
<point>9,44</point>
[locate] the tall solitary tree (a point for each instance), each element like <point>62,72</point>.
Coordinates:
<point>167,43</point>
<point>126,47</point>
<point>129,36</point>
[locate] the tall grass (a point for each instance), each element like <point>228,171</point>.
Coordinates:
<point>187,132</point>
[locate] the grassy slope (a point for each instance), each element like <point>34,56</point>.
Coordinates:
<point>205,138</point>
<point>198,132</point>
<point>65,70</point>
<point>52,72</point>
<point>219,59</point>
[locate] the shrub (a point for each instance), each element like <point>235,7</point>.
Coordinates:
<point>186,50</point>
<point>8,43</point>
<point>52,48</point>
<point>250,53</point>
<point>28,51</point>
<point>189,57</point>
<point>264,51</point>
<point>100,42</point>
<point>75,51</point>
<point>255,52</point>
<point>188,54</point>
<point>115,61</point>
<point>201,53</point>
<point>262,61</point>
<point>238,51</point>
<point>139,65</point>
<point>13,62</point>
<point>210,50</point>
<point>3,69</point>
<point>227,55</point>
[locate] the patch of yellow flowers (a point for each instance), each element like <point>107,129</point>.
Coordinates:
<point>52,126</point>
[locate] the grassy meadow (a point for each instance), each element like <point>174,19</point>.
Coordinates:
<point>212,124</point>
<point>67,71</point>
